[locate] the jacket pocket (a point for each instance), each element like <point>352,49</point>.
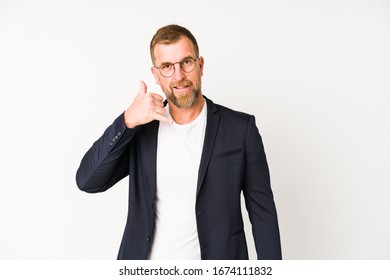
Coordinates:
<point>227,153</point>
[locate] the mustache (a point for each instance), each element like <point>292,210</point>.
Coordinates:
<point>184,83</point>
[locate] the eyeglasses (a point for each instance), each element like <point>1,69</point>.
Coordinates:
<point>168,69</point>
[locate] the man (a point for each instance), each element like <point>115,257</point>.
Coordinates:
<point>188,161</point>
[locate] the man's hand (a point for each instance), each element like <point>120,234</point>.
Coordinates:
<point>145,108</point>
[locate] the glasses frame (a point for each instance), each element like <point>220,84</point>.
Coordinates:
<point>180,64</point>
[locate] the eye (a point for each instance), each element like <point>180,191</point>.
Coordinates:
<point>166,66</point>
<point>186,61</point>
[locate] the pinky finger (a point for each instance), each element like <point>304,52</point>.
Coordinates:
<point>162,118</point>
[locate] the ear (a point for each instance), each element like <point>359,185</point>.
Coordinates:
<point>156,75</point>
<point>201,65</point>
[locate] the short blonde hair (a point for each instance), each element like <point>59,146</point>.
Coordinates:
<point>170,34</point>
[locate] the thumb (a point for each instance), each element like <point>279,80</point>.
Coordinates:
<point>142,87</point>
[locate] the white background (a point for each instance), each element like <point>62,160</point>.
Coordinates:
<point>316,74</point>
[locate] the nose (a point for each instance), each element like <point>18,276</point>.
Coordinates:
<point>179,73</point>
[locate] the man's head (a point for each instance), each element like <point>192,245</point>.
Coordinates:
<point>170,34</point>
<point>177,66</point>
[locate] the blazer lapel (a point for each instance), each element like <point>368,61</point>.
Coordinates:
<point>209,140</point>
<point>149,145</point>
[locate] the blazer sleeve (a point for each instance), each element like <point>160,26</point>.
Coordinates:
<point>107,161</point>
<point>259,197</point>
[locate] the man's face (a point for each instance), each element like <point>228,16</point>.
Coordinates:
<point>182,88</point>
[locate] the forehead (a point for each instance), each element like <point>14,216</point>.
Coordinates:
<point>174,52</point>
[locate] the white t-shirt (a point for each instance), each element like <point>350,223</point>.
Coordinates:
<point>179,150</point>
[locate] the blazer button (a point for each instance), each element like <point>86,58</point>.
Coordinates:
<point>148,239</point>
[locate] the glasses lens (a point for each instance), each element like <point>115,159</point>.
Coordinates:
<point>188,65</point>
<point>167,70</point>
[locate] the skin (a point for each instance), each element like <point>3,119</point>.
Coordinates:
<point>148,106</point>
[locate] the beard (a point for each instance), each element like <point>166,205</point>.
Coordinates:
<point>186,100</point>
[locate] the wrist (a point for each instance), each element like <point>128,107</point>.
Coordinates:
<point>128,121</point>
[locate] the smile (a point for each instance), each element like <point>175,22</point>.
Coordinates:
<point>181,88</point>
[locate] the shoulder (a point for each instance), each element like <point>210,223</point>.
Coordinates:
<point>223,110</point>
<point>227,113</point>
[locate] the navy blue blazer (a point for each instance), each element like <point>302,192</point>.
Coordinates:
<point>233,161</point>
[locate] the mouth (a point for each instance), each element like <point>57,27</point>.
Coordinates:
<point>180,88</point>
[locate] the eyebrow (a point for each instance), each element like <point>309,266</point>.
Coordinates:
<point>184,58</point>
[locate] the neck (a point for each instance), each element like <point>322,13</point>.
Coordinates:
<point>184,116</point>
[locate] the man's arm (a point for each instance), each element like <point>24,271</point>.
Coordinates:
<point>259,197</point>
<point>107,161</point>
